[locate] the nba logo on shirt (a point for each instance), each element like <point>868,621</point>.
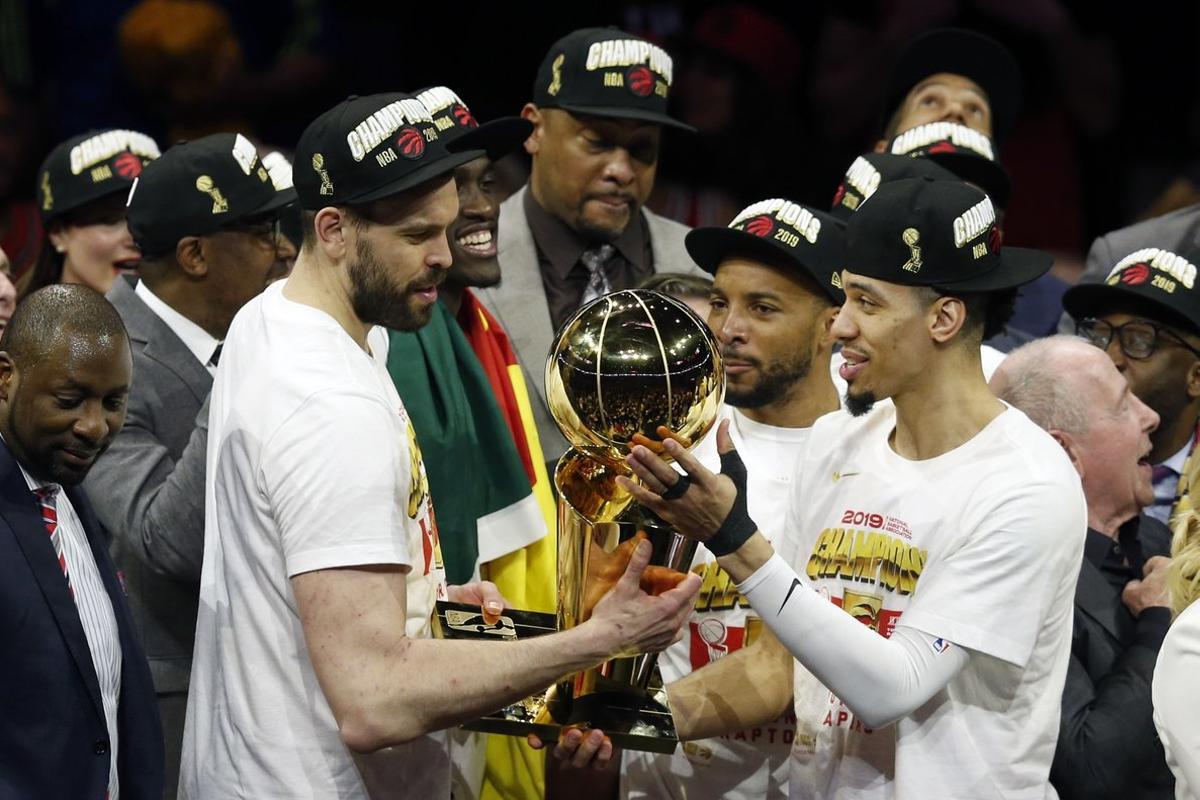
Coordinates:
<point>940,645</point>
<point>712,639</point>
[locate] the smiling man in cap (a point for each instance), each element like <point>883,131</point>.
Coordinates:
<point>314,672</point>
<point>579,229</point>
<point>933,541</point>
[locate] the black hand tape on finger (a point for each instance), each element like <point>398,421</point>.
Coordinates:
<point>737,527</point>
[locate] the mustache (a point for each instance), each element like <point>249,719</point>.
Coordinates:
<point>734,355</point>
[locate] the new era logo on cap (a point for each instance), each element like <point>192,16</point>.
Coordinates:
<point>777,232</point>
<point>607,72</point>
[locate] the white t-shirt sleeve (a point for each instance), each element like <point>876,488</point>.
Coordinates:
<point>332,474</point>
<point>1174,696</point>
<point>991,591</point>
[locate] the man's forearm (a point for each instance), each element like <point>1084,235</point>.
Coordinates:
<point>452,681</point>
<point>749,687</point>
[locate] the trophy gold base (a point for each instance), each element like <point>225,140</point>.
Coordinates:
<point>634,719</point>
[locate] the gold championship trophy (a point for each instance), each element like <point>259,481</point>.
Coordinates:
<point>626,363</point>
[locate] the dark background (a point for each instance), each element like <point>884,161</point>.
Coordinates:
<point>786,95</point>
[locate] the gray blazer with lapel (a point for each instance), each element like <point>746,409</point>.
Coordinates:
<point>519,301</point>
<point>148,489</point>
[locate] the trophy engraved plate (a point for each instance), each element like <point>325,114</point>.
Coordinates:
<point>626,363</point>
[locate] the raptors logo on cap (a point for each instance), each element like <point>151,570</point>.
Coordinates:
<point>1132,276</point>
<point>411,143</point>
<point>640,81</point>
<point>760,226</point>
<point>463,116</point>
<point>127,165</point>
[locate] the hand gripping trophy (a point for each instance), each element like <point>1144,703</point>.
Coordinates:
<point>627,363</point>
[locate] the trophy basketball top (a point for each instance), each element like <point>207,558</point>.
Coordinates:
<point>629,362</point>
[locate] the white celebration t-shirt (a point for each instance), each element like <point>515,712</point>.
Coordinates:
<point>312,464</point>
<point>751,763</point>
<point>980,547</point>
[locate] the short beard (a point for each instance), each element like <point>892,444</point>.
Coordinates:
<point>776,382</point>
<point>860,404</point>
<point>376,300</point>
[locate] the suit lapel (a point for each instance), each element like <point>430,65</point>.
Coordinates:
<point>19,509</point>
<point>157,340</point>
<point>1093,597</point>
<point>521,308</point>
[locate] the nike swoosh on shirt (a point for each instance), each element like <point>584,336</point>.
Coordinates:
<point>788,596</point>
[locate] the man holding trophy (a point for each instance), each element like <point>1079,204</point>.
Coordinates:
<point>944,524</point>
<point>314,674</point>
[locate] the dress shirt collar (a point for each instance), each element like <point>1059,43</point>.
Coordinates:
<point>562,246</point>
<point>198,341</point>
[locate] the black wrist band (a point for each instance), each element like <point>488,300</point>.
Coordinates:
<point>737,527</point>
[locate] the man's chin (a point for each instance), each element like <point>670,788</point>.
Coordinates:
<point>859,403</point>
<point>473,272</point>
<point>604,225</point>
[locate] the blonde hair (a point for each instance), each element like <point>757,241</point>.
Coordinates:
<point>1184,575</point>
<point>1183,578</point>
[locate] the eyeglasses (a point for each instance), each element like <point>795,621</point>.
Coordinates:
<point>1138,338</point>
<point>267,230</point>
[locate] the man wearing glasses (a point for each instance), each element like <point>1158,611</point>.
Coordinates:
<point>207,221</point>
<point>1146,316</point>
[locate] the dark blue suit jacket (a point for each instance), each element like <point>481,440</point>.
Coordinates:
<point>53,738</point>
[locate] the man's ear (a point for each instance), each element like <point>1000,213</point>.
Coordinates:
<point>947,317</point>
<point>534,115</point>
<point>8,371</point>
<point>1071,447</point>
<point>191,256</point>
<point>330,225</point>
<point>825,321</point>
<point>1193,380</point>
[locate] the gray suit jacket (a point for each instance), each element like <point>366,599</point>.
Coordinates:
<point>1168,231</point>
<point>148,489</point>
<point>519,301</point>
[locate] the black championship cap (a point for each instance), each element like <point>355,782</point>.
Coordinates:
<point>365,148</point>
<point>89,167</point>
<point>870,170</point>
<point>972,55</point>
<point>942,234</point>
<point>200,187</point>
<point>964,151</point>
<point>454,122</point>
<point>1157,283</point>
<point>779,232</point>
<point>606,72</point>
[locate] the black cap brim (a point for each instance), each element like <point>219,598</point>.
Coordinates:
<point>1018,266</point>
<point>496,138</point>
<point>980,58</point>
<point>641,115</point>
<point>989,176</point>
<point>281,199</point>
<point>442,166</point>
<point>708,247</point>
<point>1098,299</point>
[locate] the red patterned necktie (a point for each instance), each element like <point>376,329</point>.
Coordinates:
<point>46,498</point>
